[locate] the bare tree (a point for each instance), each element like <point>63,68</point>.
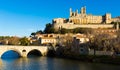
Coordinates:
<point>101,42</point>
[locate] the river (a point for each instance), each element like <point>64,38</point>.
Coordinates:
<point>47,63</point>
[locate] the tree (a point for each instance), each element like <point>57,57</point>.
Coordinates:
<point>7,40</point>
<point>13,41</point>
<point>83,30</point>
<point>66,40</point>
<point>39,32</point>
<point>33,34</point>
<point>116,42</point>
<point>101,42</point>
<point>63,31</point>
<point>24,41</point>
<point>49,28</point>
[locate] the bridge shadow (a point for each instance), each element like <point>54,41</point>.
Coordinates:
<point>34,53</point>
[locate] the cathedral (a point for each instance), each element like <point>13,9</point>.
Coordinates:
<point>83,20</point>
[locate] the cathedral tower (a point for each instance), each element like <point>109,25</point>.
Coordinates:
<point>71,12</point>
<point>83,10</point>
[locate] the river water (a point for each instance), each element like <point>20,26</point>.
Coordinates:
<point>47,63</point>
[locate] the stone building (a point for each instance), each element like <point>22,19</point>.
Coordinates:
<point>79,44</point>
<point>116,19</point>
<point>83,20</point>
<point>43,39</point>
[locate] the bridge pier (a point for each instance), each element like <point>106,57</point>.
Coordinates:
<point>44,54</point>
<point>24,55</point>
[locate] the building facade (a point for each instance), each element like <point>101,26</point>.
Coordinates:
<point>79,44</point>
<point>84,18</point>
<point>47,40</point>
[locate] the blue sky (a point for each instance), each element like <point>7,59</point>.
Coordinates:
<point>21,17</point>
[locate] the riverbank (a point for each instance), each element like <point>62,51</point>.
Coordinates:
<point>93,59</point>
<point>107,59</point>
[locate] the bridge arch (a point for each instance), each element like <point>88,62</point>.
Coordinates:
<point>23,50</point>
<point>34,53</point>
<point>15,50</point>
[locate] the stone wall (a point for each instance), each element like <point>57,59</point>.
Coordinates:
<point>72,26</point>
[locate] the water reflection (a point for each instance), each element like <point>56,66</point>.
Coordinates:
<point>10,55</point>
<point>45,63</point>
<point>34,53</point>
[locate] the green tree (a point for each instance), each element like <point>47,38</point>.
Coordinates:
<point>83,30</point>
<point>33,34</point>
<point>63,31</point>
<point>39,32</point>
<point>24,41</point>
<point>49,28</point>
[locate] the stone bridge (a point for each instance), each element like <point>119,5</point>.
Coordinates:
<point>23,50</point>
